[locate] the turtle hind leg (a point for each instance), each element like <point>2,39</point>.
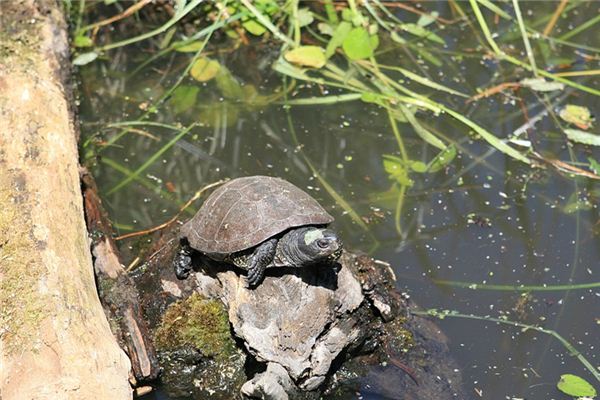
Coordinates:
<point>259,260</point>
<point>182,263</point>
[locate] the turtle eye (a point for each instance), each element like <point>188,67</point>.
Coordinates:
<point>323,243</point>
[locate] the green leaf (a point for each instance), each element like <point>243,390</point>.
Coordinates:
<point>359,45</point>
<point>325,29</point>
<point>426,19</point>
<point>418,166</point>
<point>370,97</point>
<point>347,14</point>
<point>339,35</point>
<point>166,40</point>
<point>191,47</point>
<point>421,32</point>
<point>582,137</point>
<point>85,58</point>
<point>577,115</point>
<point>442,159</point>
<point>283,67</point>
<point>229,86</point>
<point>184,98</point>
<point>394,166</point>
<point>254,27</point>
<point>83,41</point>
<point>307,56</point>
<point>575,386</point>
<point>397,38</point>
<point>204,69</point>
<point>305,17</point>
<point>425,134</point>
<point>594,165</point>
<point>428,56</point>
<point>542,85</point>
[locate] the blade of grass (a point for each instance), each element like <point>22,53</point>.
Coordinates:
<point>142,123</point>
<point>581,28</point>
<point>488,136</point>
<point>148,184</point>
<point>485,28</point>
<point>405,159</point>
<point>592,72</point>
<point>397,135</point>
<point>570,348</point>
<point>398,210</point>
<point>151,160</point>
<point>163,28</point>
<point>425,82</point>
<point>525,37</point>
<point>517,288</point>
<point>494,8</point>
<point>324,100</point>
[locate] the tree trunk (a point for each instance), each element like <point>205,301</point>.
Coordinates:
<point>55,342</point>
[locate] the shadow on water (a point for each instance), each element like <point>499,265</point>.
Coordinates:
<point>485,218</point>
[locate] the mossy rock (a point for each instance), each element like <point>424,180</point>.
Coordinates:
<point>199,323</point>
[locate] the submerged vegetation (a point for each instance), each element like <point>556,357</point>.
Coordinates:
<point>347,51</point>
<point>459,93</point>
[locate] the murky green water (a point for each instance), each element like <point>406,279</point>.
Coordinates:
<point>483,219</point>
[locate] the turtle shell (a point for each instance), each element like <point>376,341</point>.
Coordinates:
<point>247,211</point>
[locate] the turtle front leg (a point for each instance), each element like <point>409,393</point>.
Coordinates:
<point>259,260</point>
<point>182,263</point>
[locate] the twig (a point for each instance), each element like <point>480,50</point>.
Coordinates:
<point>554,19</point>
<point>134,8</point>
<point>174,218</point>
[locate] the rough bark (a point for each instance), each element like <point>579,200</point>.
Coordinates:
<point>55,342</point>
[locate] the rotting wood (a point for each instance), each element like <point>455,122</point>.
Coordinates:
<point>117,290</point>
<point>55,341</point>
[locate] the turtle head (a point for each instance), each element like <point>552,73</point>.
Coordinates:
<point>320,245</point>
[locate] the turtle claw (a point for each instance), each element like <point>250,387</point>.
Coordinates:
<point>255,275</point>
<point>182,263</point>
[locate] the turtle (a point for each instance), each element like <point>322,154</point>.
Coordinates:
<point>258,222</point>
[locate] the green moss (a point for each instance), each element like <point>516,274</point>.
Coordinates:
<point>196,322</point>
<point>21,307</point>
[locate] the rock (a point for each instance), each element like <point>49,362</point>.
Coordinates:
<point>273,384</point>
<point>301,321</point>
<point>297,328</point>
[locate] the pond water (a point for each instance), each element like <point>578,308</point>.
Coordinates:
<point>484,219</point>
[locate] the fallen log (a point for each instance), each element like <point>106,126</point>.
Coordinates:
<point>117,290</point>
<point>55,342</point>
